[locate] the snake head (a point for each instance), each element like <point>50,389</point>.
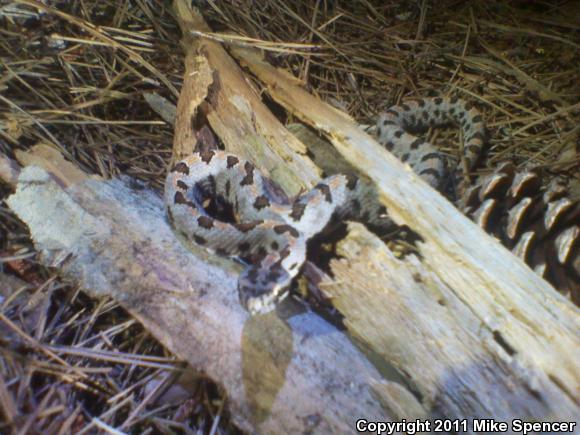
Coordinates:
<point>261,288</point>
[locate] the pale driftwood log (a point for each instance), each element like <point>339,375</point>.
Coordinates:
<point>453,359</point>
<point>292,376</point>
<point>535,331</point>
<point>400,297</point>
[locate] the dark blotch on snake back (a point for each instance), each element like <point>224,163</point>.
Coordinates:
<point>181,167</point>
<point>244,227</point>
<point>205,222</point>
<point>249,178</point>
<point>180,198</point>
<point>415,144</point>
<point>262,252</point>
<point>232,161</point>
<point>258,256</point>
<point>325,189</point>
<point>206,156</point>
<point>199,240</point>
<point>261,202</point>
<point>351,181</point>
<point>281,229</point>
<point>297,211</point>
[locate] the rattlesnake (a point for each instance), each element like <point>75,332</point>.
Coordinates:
<point>271,234</point>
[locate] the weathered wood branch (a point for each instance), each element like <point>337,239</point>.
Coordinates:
<point>453,359</point>
<point>505,296</point>
<point>292,375</point>
<point>234,110</point>
<point>400,301</point>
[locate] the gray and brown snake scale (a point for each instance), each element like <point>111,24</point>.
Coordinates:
<point>272,235</point>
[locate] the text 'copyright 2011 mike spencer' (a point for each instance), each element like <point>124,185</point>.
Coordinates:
<point>487,425</point>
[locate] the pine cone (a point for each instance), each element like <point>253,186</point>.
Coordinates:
<point>538,224</point>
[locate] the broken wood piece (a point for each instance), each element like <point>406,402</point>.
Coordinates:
<point>424,330</point>
<point>234,110</point>
<point>507,297</point>
<point>115,241</point>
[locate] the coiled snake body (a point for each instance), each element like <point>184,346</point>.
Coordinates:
<point>271,234</point>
